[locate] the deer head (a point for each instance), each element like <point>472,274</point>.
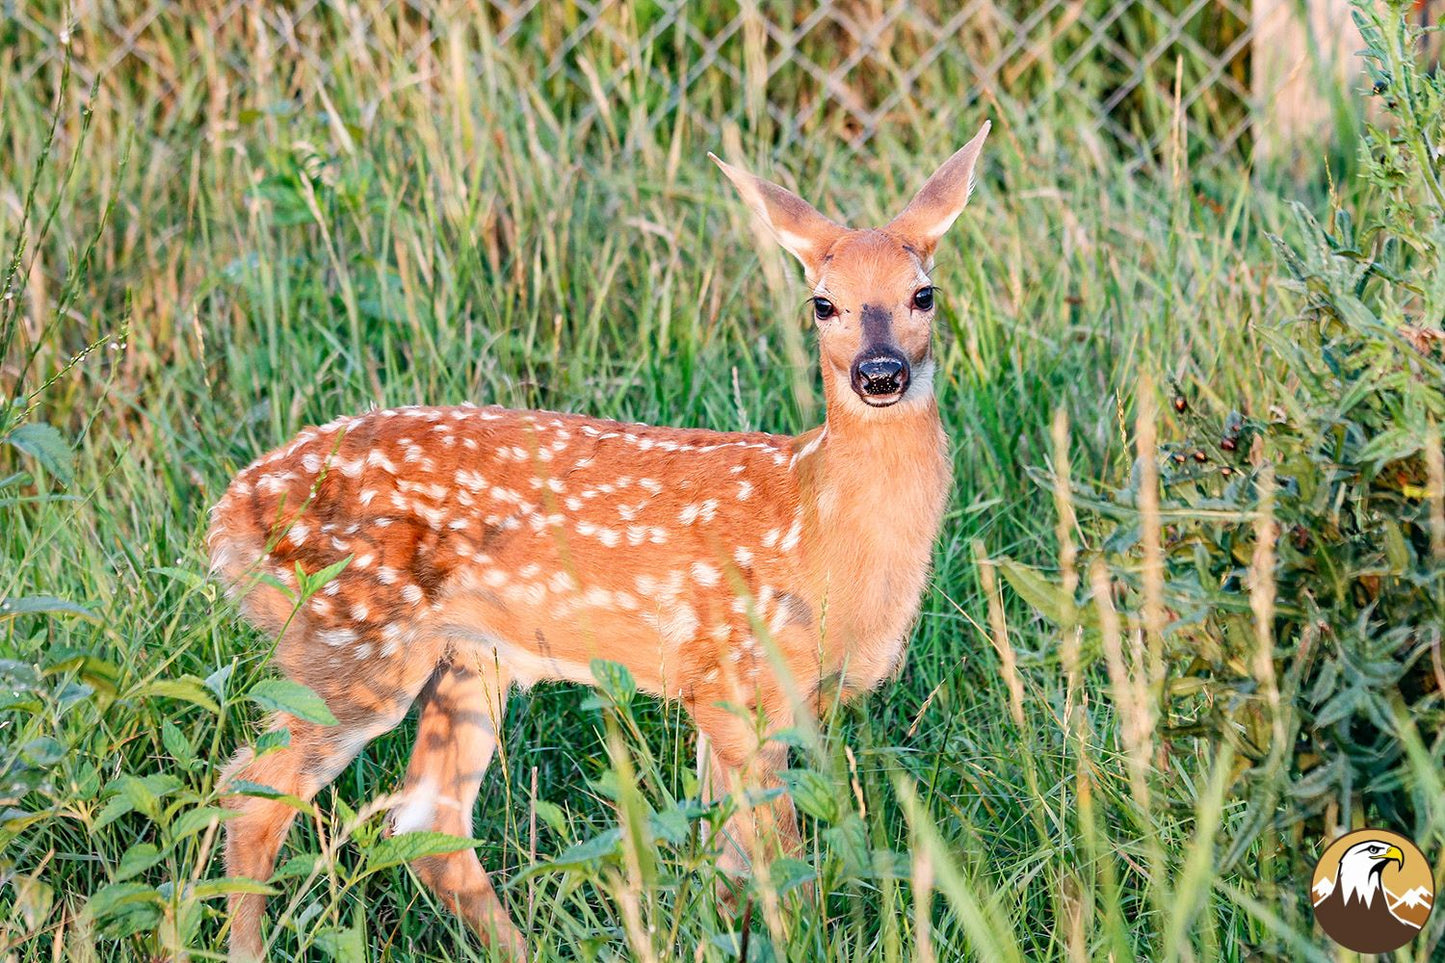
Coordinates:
<point>873,300</point>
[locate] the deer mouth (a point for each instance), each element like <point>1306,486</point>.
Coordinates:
<point>882,401</point>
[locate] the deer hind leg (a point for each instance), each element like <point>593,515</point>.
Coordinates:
<point>316,755</point>
<point>366,705</point>
<point>456,738</point>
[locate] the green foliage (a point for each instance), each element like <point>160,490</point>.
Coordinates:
<point>1303,536</point>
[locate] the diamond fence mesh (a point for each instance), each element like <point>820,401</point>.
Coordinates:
<point>788,74</point>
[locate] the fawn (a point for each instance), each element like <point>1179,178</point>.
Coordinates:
<point>490,548</point>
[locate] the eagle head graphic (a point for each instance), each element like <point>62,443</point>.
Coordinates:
<point>1356,911</point>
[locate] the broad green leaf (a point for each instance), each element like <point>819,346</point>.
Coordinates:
<point>551,814</point>
<point>94,672</point>
<point>14,608</point>
<point>43,751</point>
<point>787,873</point>
<point>405,847</point>
<point>670,824</point>
<point>298,866</point>
<point>242,787</point>
<point>47,446</point>
<point>849,839</point>
<point>120,897</point>
<point>578,856</point>
<point>137,859</point>
<point>283,695</point>
<point>176,743</point>
<point>193,821</point>
<point>272,740</point>
<point>114,808</point>
<point>812,793</point>
<point>1034,589</point>
<point>343,945</point>
<point>186,688</point>
<point>217,681</point>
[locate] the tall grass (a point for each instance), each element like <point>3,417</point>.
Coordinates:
<point>236,235</point>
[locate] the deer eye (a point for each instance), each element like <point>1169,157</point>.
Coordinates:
<point>823,309</point>
<point>923,299</point>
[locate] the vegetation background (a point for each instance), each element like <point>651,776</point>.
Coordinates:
<point>1187,613</point>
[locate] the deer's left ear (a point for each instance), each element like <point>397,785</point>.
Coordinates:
<point>939,202</point>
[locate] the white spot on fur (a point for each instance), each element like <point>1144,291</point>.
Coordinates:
<point>377,459</point>
<point>677,624</point>
<point>417,811</point>
<point>337,637</point>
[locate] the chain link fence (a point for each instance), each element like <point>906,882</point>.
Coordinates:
<point>850,69</point>
<point>1126,75</point>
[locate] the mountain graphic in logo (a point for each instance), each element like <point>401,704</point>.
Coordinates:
<point>1372,891</point>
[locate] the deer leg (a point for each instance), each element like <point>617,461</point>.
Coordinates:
<point>456,738</point>
<point>366,706</point>
<point>315,756</point>
<point>733,754</point>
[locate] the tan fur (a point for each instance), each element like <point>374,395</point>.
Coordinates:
<point>489,548</point>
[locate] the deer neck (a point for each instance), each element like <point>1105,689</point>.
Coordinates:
<point>874,490</point>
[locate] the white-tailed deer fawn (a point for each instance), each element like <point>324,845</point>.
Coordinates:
<point>490,548</point>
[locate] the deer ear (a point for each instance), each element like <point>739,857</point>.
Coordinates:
<point>798,227</point>
<point>939,202</point>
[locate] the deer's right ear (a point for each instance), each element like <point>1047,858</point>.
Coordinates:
<point>798,227</point>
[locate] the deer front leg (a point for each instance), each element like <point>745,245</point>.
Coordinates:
<point>735,756</point>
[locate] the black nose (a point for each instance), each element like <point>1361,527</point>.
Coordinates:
<point>880,374</point>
